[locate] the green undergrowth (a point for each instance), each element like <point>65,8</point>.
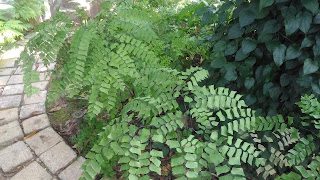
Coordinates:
<point>157,117</point>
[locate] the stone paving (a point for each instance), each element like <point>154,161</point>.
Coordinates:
<point>29,148</point>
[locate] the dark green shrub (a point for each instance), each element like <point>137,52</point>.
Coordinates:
<point>268,50</point>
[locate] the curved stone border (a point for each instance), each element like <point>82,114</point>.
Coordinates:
<point>43,154</point>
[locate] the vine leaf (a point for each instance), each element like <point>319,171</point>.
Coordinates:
<point>235,31</point>
<point>310,66</point>
<point>279,54</point>
<point>312,5</point>
<point>306,19</point>
<point>265,3</point>
<point>248,45</point>
<point>246,17</point>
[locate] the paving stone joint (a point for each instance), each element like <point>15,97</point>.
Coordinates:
<point>29,147</point>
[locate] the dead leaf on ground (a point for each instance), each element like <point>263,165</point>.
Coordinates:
<point>58,108</point>
<point>30,135</point>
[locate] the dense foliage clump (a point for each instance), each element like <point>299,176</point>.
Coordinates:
<point>268,50</point>
<point>163,117</point>
<point>15,21</point>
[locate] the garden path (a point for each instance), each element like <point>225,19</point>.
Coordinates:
<point>29,147</point>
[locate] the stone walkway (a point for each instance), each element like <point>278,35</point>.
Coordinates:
<point>43,154</point>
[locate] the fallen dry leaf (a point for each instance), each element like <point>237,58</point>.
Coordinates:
<point>58,108</point>
<point>30,135</point>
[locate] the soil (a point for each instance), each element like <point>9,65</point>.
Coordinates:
<point>62,116</point>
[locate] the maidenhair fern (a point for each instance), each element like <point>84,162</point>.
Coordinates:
<point>213,134</point>
<point>160,120</point>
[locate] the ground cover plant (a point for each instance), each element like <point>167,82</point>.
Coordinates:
<point>14,22</point>
<point>166,117</point>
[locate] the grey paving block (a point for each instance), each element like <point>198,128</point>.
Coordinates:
<point>16,79</point>
<point>13,89</point>
<point>74,171</point>
<point>19,70</point>
<point>35,123</point>
<point>4,63</point>
<point>12,53</point>
<point>7,71</point>
<point>10,101</point>
<point>58,157</point>
<point>42,85</point>
<point>4,80</point>
<point>43,68</point>
<point>14,156</point>
<point>44,76</point>
<point>36,98</point>
<point>43,140</point>
<point>8,115</point>
<point>10,133</point>
<point>31,110</point>
<point>33,171</point>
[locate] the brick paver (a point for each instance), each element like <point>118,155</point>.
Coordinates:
<point>29,147</point>
<point>43,140</point>
<point>10,133</point>
<point>58,157</point>
<point>74,171</point>
<point>33,171</point>
<point>14,156</point>
<point>8,115</point>
<point>35,123</point>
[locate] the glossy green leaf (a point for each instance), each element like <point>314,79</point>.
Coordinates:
<point>246,17</point>
<point>235,31</point>
<point>312,5</point>
<point>279,54</point>
<point>248,45</point>
<point>310,66</point>
<point>265,3</point>
<point>293,52</point>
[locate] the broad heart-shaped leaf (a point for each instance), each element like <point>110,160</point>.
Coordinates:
<point>274,92</point>
<point>312,5</point>
<point>219,62</point>
<point>232,47</point>
<point>271,27</point>
<point>284,80</point>
<point>249,83</point>
<point>307,42</point>
<point>316,19</point>
<point>246,17</point>
<point>293,52</point>
<point>306,20</point>
<point>316,50</point>
<point>248,45</point>
<point>279,54</point>
<point>241,55</point>
<point>292,25</point>
<point>265,3</point>
<point>235,31</point>
<point>250,99</point>
<point>219,46</point>
<point>310,66</point>
<point>231,75</point>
